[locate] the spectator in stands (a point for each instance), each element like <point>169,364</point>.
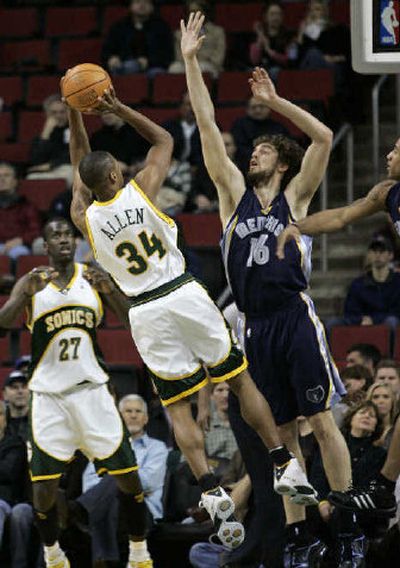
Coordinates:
<point>184,131</point>
<point>219,438</point>
<point>384,399</point>
<point>121,140</point>
<point>357,379</point>
<point>374,297</point>
<point>176,187</point>
<point>99,496</point>
<point>312,26</point>
<point>13,505</point>
<point>212,54</point>
<point>16,395</point>
<point>246,129</point>
<point>50,151</point>
<point>139,43</point>
<point>388,373</point>
<point>19,220</point>
<point>203,198</point>
<point>275,47</point>
<point>363,354</point>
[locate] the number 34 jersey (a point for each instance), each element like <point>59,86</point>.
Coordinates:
<point>63,325</point>
<point>260,282</point>
<point>134,241</point>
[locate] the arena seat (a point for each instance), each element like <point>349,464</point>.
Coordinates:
<point>18,153</point>
<point>71,52</point>
<point>159,115</point>
<point>339,11</point>
<point>344,336</point>
<point>172,15</point>
<point>288,124</point>
<point>25,55</point>
<point>301,85</point>
<point>233,86</point>
<point>4,264</point>
<point>118,347</point>
<point>17,22</point>
<point>111,321</point>
<point>5,351</point>
<point>226,116</point>
<point>396,349</point>
<point>168,88</point>
<point>236,17</point>
<point>294,12</point>
<point>24,343</point>
<point>202,230</point>
<point>19,322</point>
<point>30,125</point>
<point>5,126</point>
<point>11,89</point>
<point>4,372</point>
<point>82,21</point>
<point>132,89</point>
<point>40,87</point>
<point>26,263</point>
<point>41,192</point>
<point>111,15</point>
<point>92,123</point>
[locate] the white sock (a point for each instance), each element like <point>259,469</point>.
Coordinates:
<point>138,551</point>
<point>52,550</point>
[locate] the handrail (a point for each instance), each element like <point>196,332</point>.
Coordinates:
<point>376,90</point>
<point>345,134</point>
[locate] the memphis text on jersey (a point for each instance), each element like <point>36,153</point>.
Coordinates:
<point>259,224</point>
<point>122,221</point>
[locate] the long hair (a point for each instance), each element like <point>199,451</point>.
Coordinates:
<point>394,409</point>
<point>346,428</point>
<point>290,153</point>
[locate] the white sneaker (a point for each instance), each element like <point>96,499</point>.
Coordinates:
<point>220,507</point>
<point>290,479</point>
<point>57,560</point>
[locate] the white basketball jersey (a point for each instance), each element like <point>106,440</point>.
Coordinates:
<point>63,325</point>
<point>133,241</point>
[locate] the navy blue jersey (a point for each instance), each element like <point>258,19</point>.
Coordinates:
<point>260,282</point>
<point>393,205</point>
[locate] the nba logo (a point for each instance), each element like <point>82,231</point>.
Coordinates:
<point>389,17</point>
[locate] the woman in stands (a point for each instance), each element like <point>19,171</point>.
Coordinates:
<point>383,397</point>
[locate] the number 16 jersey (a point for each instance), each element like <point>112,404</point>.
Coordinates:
<point>260,282</point>
<point>134,241</point>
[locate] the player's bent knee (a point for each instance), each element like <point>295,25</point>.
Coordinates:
<point>129,482</point>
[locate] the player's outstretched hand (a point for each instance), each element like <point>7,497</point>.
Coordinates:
<point>289,234</point>
<point>99,279</point>
<point>107,103</point>
<point>191,39</point>
<point>262,87</point>
<point>37,279</point>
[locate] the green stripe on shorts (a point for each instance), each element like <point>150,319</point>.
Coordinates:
<point>234,364</point>
<point>172,390</point>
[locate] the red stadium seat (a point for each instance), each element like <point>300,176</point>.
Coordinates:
<point>4,264</point>
<point>26,263</point>
<point>288,124</point>
<point>18,153</point>
<point>40,87</point>
<point>301,85</point>
<point>203,230</point>
<point>41,192</point>
<point>18,22</point>
<point>81,21</point>
<point>111,320</point>
<point>111,15</point>
<point>396,354</point>
<point>344,336</point>
<point>159,115</point>
<point>233,86</point>
<point>339,11</point>
<point>92,123</point>
<point>172,15</point>
<point>169,88</point>
<point>5,126</point>
<point>226,116</point>
<point>5,352</point>
<point>71,52</point>
<point>294,12</point>
<point>4,372</point>
<point>132,89</point>
<point>118,347</point>
<point>19,322</point>
<point>238,17</point>
<point>11,89</point>
<point>25,55</point>
<point>30,125</point>
<point>24,345</point>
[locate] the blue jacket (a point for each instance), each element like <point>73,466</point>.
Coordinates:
<point>367,297</point>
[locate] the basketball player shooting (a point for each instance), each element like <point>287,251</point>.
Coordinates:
<point>179,332</point>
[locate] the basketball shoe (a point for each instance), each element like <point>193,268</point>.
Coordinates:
<point>376,500</point>
<point>220,507</point>
<point>143,564</point>
<point>57,560</point>
<point>290,479</point>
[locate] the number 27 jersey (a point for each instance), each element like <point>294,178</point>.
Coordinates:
<point>260,282</point>
<point>133,241</point>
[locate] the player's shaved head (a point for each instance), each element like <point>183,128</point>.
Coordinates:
<point>95,169</point>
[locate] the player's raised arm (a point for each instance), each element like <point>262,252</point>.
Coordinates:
<point>225,175</point>
<point>316,158</point>
<point>333,220</point>
<point>158,159</point>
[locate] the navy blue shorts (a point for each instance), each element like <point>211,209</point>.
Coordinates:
<point>290,361</point>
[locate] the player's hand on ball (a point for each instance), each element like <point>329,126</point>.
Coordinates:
<point>291,233</point>
<point>38,278</point>
<point>262,87</point>
<point>107,103</point>
<point>99,279</point>
<point>191,40</point>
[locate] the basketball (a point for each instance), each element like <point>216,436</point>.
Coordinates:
<point>83,84</point>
